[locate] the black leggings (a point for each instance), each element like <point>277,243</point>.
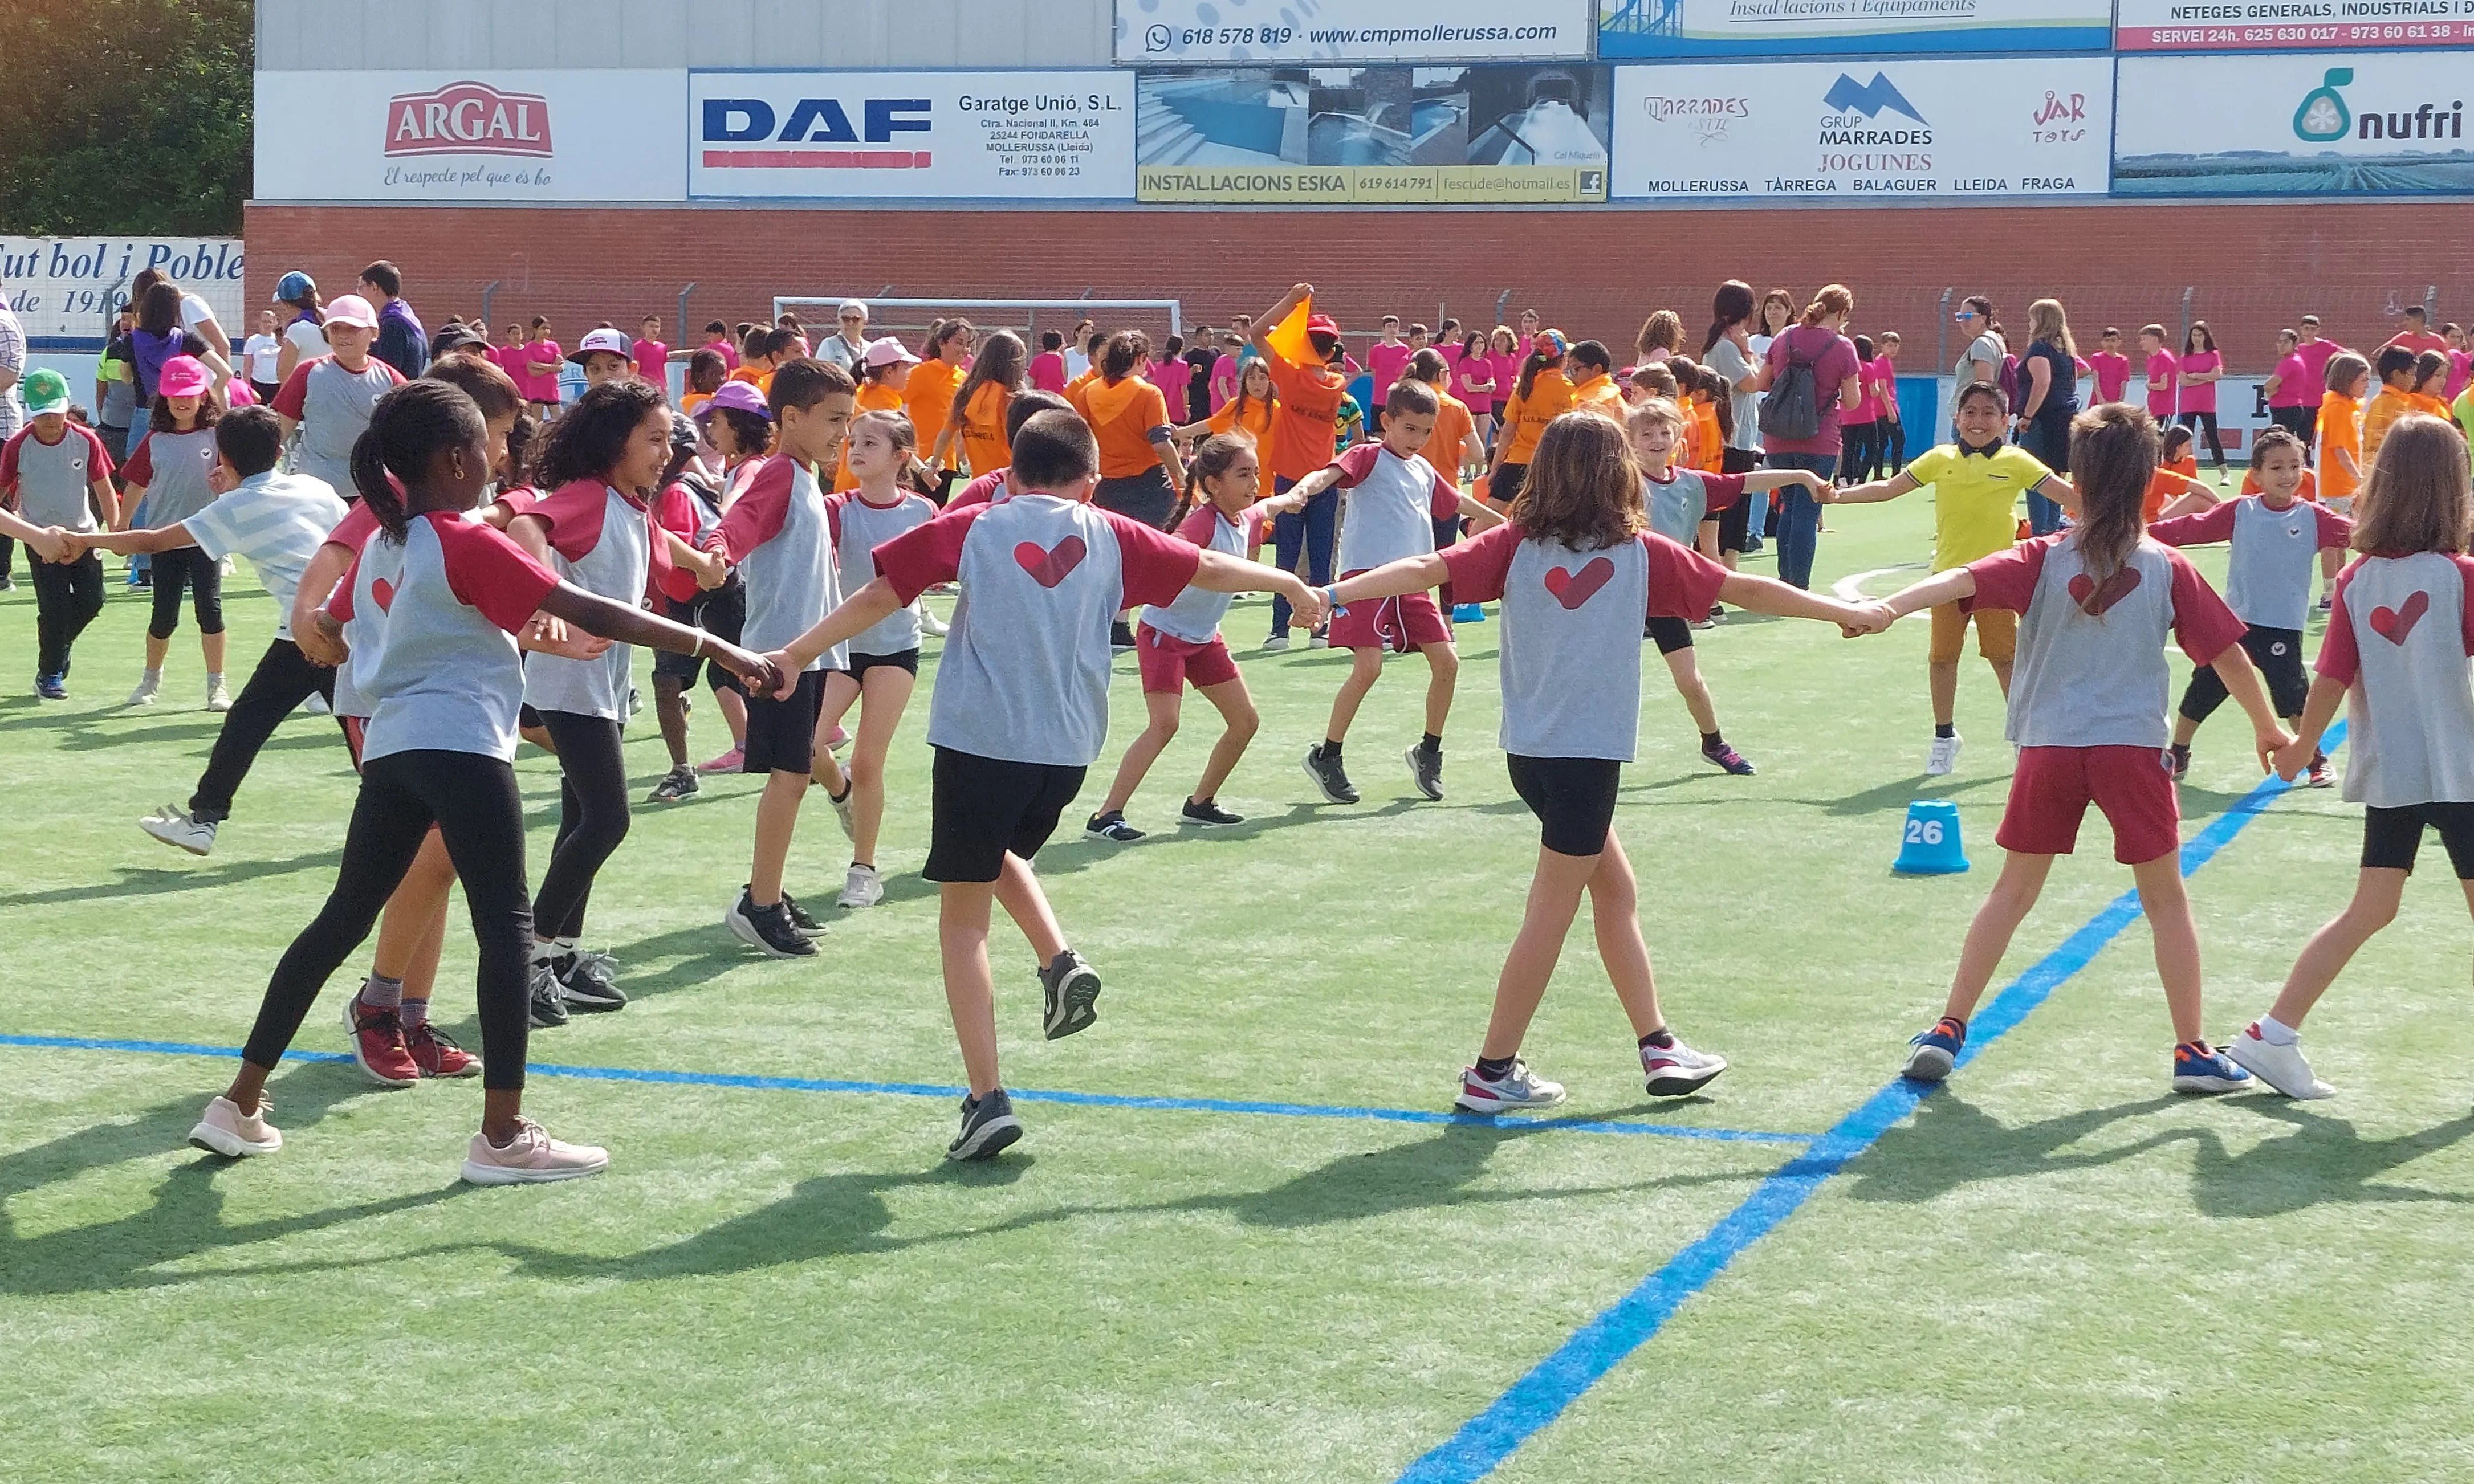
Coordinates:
<point>2303,422</point>
<point>592,817</point>
<point>1860,453</point>
<point>1890,446</point>
<point>282,679</point>
<point>2206,422</point>
<point>473,801</point>
<point>205,577</point>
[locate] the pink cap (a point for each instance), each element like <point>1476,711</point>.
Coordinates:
<point>184,375</point>
<point>352,309</point>
<point>887,351</point>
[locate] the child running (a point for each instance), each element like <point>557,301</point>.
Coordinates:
<point>882,663</point>
<point>1394,497</point>
<point>1021,711</point>
<point>1180,641</point>
<point>1582,574</point>
<point>170,472</point>
<point>2097,604</point>
<point>2395,655</point>
<point>1678,503</point>
<point>446,679</point>
<point>2276,537</point>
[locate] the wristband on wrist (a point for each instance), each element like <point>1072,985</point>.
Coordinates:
<point>698,652</point>
<point>1332,594</point>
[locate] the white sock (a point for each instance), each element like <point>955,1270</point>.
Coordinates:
<point>2276,1033</point>
<point>545,949</point>
<point>214,679</point>
<point>152,677</point>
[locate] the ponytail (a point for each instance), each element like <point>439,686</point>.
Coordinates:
<point>376,487</point>
<point>1833,298</point>
<point>407,426</point>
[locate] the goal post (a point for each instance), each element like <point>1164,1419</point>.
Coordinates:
<point>910,317</point>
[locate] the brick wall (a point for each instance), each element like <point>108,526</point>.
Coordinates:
<point>1594,272</point>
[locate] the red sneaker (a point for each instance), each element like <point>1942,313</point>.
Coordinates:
<point>438,1056</point>
<point>377,1045</point>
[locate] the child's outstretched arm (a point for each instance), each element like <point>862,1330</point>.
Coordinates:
<point>1269,320</point>
<point>1482,516</point>
<point>628,624</point>
<point>145,541</point>
<point>1392,579</point>
<point>859,612</point>
<point>1763,480</point>
<point>1874,493</point>
<point>2318,709</point>
<point>1769,595</point>
<point>2241,678</point>
<point>1220,572</point>
<point>1308,487</point>
<point>1934,591</point>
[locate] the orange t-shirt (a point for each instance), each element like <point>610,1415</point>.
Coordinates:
<point>1599,394</point>
<point>2426,403</point>
<point>1123,416</point>
<point>982,434</point>
<point>1712,443</point>
<point>1305,427</point>
<point>1074,389</point>
<point>1452,428</point>
<point>873,396</point>
<point>693,401</point>
<point>929,398</point>
<point>2341,431</point>
<point>2310,484</point>
<point>2162,491</point>
<point>1550,396</point>
<point>2379,414</point>
<point>1257,421</point>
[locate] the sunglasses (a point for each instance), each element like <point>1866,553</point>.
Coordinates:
<point>1964,315</point>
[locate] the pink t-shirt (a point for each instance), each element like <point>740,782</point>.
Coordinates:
<point>2112,374</point>
<point>2294,385</point>
<point>2315,356</point>
<point>1225,376</point>
<point>543,388</point>
<point>2461,371</point>
<point>1882,378</point>
<point>1387,362</point>
<point>2200,395</point>
<point>728,352</point>
<point>1172,378</point>
<point>2163,377</point>
<point>653,362</point>
<point>1833,360</point>
<point>1506,376</point>
<point>1048,371</point>
<point>1478,368</point>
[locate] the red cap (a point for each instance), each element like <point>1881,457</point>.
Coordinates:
<point>1323,322</point>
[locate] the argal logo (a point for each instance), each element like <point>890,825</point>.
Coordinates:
<point>468,118</point>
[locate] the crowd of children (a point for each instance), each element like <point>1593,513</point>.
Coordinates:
<point>452,569</point>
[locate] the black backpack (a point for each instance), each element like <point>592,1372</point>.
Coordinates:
<point>1792,409</point>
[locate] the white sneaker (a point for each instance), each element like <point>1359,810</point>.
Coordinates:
<point>1278,641</point>
<point>844,809</point>
<point>531,1158</point>
<point>173,825</point>
<point>2281,1067</point>
<point>144,694</point>
<point>1513,1090</point>
<point>218,696</point>
<point>1677,1070</point>
<point>1944,756</point>
<point>227,1131</point>
<point>316,705</point>
<point>930,624</point>
<point>863,888</point>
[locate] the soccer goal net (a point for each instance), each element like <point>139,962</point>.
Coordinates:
<point>910,317</point>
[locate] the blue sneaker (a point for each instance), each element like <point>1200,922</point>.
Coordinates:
<point>51,688</point>
<point>1937,1050</point>
<point>1467,614</point>
<point>2200,1068</point>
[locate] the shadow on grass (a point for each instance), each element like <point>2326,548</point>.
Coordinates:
<point>159,882</point>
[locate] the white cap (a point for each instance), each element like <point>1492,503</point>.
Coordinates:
<point>352,309</point>
<point>615,342</point>
<point>851,306</point>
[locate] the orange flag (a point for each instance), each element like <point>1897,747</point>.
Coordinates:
<point>1288,338</point>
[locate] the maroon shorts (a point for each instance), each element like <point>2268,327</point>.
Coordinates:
<point>1168,662</point>
<point>1401,624</point>
<point>2053,786</point>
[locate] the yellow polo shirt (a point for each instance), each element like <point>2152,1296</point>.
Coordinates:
<point>1975,499</point>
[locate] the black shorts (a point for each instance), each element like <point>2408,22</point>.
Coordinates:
<point>860,664</point>
<point>2391,836</point>
<point>986,808</point>
<point>1670,634</point>
<point>781,734</point>
<point>723,613</point>
<point>1734,522</point>
<point>1506,484</point>
<point>1574,798</point>
<point>528,718</point>
<point>2278,655</point>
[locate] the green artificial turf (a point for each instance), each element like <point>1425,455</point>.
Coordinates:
<point>2055,1270</point>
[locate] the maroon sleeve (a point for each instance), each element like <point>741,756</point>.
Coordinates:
<point>1446,501</point>
<point>980,491</point>
<point>2214,524</point>
<point>488,572</point>
<point>1722,490</point>
<point>757,516</point>
<point>1357,464</point>
<point>139,471</point>
<point>1682,583</point>
<point>355,529</point>
<point>1154,565</point>
<point>834,504</point>
<point>1478,567</point>
<point>2336,531</point>
<point>574,514</point>
<point>2007,579</point>
<point>2338,659</point>
<point>290,397</point>
<point>98,458</point>
<point>9,458</point>
<point>339,602</point>
<point>1196,526</point>
<point>924,556</point>
<point>2203,622</point>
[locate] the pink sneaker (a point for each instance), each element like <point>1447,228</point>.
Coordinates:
<point>728,762</point>
<point>531,1158</point>
<point>227,1131</point>
<point>837,739</point>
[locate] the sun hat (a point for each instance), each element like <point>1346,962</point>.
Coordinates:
<point>740,395</point>
<point>295,287</point>
<point>184,375</point>
<point>45,390</point>
<point>350,309</point>
<point>614,342</point>
<point>887,351</point>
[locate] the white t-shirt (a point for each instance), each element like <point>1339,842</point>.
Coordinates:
<point>306,338</point>
<point>262,354</point>
<point>194,312</point>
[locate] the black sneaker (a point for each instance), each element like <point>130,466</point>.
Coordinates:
<point>1072,987</point>
<point>548,998</point>
<point>2177,761</point>
<point>767,930</point>
<point>1112,826</point>
<point>988,1127</point>
<point>675,786</point>
<point>1121,636</point>
<point>1328,776</point>
<point>801,924</point>
<point>1425,768</point>
<point>1207,812</point>
<point>589,981</point>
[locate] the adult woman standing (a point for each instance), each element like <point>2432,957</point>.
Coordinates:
<point>1815,344</point>
<point>2202,368</point>
<point>2291,394</point>
<point>2050,402</point>
<point>1727,351</point>
<point>1777,313</point>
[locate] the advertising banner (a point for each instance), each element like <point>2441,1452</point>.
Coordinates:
<point>517,138</point>
<point>2361,123</point>
<point>68,288</point>
<point>1342,135</point>
<point>1205,33</point>
<point>1879,133</point>
<point>2290,25</point>
<point>911,135</point>
<point>1868,28</point>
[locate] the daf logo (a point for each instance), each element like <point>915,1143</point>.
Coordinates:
<point>815,121</point>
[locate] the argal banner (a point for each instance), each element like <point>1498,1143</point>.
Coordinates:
<point>1867,28</point>
<point>2290,25</point>
<point>1877,131</point>
<point>2341,122</point>
<point>1204,33</point>
<point>66,289</point>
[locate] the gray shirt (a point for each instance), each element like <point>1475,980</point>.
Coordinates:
<point>1731,363</point>
<point>611,559</point>
<point>334,409</point>
<point>55,481</point>
<point>858,529</point>
<point>175,475</point>
<point>2397,639</point>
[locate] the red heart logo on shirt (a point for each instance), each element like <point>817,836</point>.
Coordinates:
<point>383,592</point>
<point>2095,601</point>
<point>1049,564</point>
<point>2393,624</point>
<point>1573,588</point>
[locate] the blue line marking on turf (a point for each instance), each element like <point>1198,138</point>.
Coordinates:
<point>1598,1346</point>
<point>751,1083</point>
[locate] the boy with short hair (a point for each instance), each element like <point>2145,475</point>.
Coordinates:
<point>2112,367</point>
<point>1021,711</point>
<point>2164,371</point>
<point>776,533</point>
<point>1394,497</point>
<point>2395,368</point>
<point>58,476</point>
<point>604,354</point>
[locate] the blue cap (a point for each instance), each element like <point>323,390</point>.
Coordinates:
<point>294,287</point>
